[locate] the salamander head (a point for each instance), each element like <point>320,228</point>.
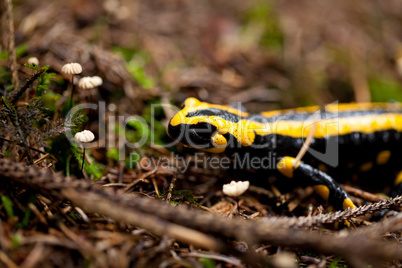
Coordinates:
<point>202,125</point>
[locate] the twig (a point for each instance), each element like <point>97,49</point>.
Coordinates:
<point>31,148</point>
<point>6,260</point>
<point>387,225</point>
<point>141,178</point>
<point>155,186</point>
<point>16,93</point>
<point>213,256</point>
<point>37,161</point>
<point>171,186</point>
<point>93,203</point>
<point>12,57</point>
<point>36,254</point>
<point>362,194</point>
<point>15,121</point>
<point>306,144</point>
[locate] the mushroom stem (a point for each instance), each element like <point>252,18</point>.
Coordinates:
<point>83,160</point>
<point>72,90</point>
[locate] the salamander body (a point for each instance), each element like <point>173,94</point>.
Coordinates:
<point>353,137</point>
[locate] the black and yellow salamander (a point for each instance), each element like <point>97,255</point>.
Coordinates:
<point>355,137</point>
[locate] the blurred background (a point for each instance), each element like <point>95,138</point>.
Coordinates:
<point>266,54</point>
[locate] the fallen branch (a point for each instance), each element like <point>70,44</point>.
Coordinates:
<point>162,218</point>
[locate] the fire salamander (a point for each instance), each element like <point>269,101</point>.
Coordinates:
<point>355,137</point>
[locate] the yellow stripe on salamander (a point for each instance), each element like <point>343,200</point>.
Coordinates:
<point>246,130</point>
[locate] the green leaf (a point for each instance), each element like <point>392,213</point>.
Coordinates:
<point>3,55</point>
<point>16,241</point>
<point>25,221</point>
<point>136,69</point>
<point>385,89</point>
<point>136,63</point>
<point>21,50</point>
<point>334,264</point>
<point>207,263</point>
<point>8,206</point>
<point>32,66</point>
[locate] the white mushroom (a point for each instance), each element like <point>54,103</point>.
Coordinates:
<point>97,81</point>
<point>235,188</point>
<point>84,136</point>
<point>71,68</point>
<point>86,82</point>
<point>33,60</point>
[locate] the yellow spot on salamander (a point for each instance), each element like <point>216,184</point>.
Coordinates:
<point>347,203</point>
<point>322,190</point>
<point>383,157</point>
<point>323,168</point>
<point>285,166</point>
<point>398,179</point>
<point>219,142</point>
<point>366,167</point>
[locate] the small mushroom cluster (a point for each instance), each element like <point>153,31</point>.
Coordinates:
<point>86,82</point>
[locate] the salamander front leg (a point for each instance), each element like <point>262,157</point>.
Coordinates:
<point>322,183</point>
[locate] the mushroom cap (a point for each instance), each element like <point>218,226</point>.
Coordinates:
<point>97,80</point>
<point>33,60</point>
<point>235,188</point>
<point>71,68</point>
<point>84,136</point>
<point>88,82</point>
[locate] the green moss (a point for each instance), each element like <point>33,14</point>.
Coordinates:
<point>19,51</point>
<point>385,89</point>
<point>16,241</point>
<point>263,13</point>
<point>50,101</point>
<point>8,206</point>
<point>94,168</point>
<point>336,264</point>
<point>180,196</point>
<point>136,67</point>
<point>136,63</point>
<point>27,213</point>
<point>207,263</point>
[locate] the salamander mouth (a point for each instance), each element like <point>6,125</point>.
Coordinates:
<point>193,135</point>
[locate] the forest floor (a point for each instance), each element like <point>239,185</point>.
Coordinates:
<point>141,201</point>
